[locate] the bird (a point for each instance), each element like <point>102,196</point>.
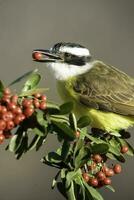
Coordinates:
<point>97,89</point>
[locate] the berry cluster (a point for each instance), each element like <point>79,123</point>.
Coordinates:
<point>99,174</point>
<point>13,110</point>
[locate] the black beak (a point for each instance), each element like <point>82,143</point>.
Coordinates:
<point>41,55</point>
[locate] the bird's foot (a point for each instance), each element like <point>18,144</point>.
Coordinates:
<point>124,134</point>
<point>100,133</point>
<point>97,131</point>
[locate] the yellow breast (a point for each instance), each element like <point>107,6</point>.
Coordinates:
<point>103,120</point>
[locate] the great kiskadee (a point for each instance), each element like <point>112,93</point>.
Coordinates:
<point>99,90</point>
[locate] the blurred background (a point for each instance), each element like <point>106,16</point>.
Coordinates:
<point>106,27</point>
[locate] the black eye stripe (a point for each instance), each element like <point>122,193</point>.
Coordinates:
<point>75,60</point>
<point>73,56</point>
<point>67,54</point>
<point>70,58</point>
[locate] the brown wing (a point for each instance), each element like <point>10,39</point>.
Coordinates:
<point>106,88</point>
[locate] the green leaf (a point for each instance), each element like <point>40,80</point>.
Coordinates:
<point>65,130</point>
<point>111,156</point>
<point>53,157</point>
<point>40,142</point>
<point>83,132</point>
<point>94,193</point>
<point>40,119</point>
<point>1,89</point>
<point>88,195</point>
<point>79,145</point>
<point>66,108</point>
<point>23,147</point>
<point>82,157</point>
<point>52,108</point>
<point>114,150</point>
<point>32,82</point>
<point>63,173</point>
<point>38,132</point>
<point>114,147</point>
<point>21,77</point>
<point>13,143</point>
<point>110,188</point>
<point>33,91</point>
<point>61,189</point>
<point>96,140</point>
<point>79,182</point>
<point>99,148</point>
<point>59,118</point>
<point>73,121</point>
<point>73,174</point>
<point>34,142</point>
<point>114,142</point>
<point>55,179</point>
<point>84,121</point>
<point>16,140</point>
<point>70,189</point>
<point>65,150</point>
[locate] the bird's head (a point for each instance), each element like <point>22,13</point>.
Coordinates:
<point>65,59</point>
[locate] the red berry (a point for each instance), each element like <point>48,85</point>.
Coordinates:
<point>28,111</point>
<point>10,125</point>
<point>43,105</point>
<point>2,137</point>
<point>22,117</point>
<point>97,158</point>
<point>2,124</point>
<point>117,169</point>
<point>6,99</point>
<point>36,103</point>
<point>37,56</point>
<point>17,110</point>
<point>27,102</point>
<point>94,182</point>
<point>19,118</point>
<point>92,166</point>
<point>124,149</point>
<point>7,116</point>
<point>37,95</point>
<point>3,109</point>
<point>86,177</point>
<point>14,99</point>
<point>107,181</point>
<point>7,91</point>
<point>43,97</point>
<point>12,106</point>
<point>0,108</point>
<point>100,176</point>
<point>77,134</point>
<point>105,169</point>
<point>109,173</point>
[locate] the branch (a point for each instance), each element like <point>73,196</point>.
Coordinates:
<point>26,119</point>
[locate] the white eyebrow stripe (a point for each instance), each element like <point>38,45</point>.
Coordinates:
<point>76,51</point>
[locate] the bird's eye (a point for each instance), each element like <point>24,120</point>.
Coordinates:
<point>67,55</point>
